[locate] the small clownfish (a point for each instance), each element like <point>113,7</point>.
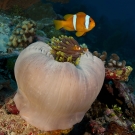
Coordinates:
<point>76,48</point>
<point>79,22</point>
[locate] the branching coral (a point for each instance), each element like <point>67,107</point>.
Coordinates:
<point>66,49</point>
<point>114,61</point>
<point>23,34</point>
<point>102,56</point>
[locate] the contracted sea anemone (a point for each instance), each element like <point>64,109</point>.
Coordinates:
<point>66,49</point>
<point>54,94</point>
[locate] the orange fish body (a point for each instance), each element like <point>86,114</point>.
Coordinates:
<point>79,22</point>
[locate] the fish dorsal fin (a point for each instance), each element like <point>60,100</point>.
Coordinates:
<point>68,16</point>
<point>81,13</point>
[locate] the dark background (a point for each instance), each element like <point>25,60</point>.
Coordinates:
<point>115,24</point>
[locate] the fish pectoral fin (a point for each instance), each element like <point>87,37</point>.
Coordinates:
<point>68,28</point>
<point>79,33</point>
<point>58,24</point>
<point>68,16</point>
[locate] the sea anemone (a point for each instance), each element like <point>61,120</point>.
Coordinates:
<point>55,94</point>
<point>66,49</point>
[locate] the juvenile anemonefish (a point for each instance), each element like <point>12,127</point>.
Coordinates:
<point>79,22</point>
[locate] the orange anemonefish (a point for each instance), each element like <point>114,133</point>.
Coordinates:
<point>79,22</point>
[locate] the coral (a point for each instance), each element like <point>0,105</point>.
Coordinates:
<point>10,106</point>
<point>23,34</point>
<point>120,112</point>
<point>113,121</point>
<point>118,74</point>
<point>45,20</point>
<point>15,20</point>
<point>133,126</point>
<point>129,98</point>
<point>117,110</point>
<point>119,118</point>
<point>114,61</point>
<point>66,49</point>
<point>96,127</point>
<point>7,4</point>
<point>5,32</point>
<point>102,56</point>
<point>96,110</point>
<point>124,91</point>
<point>109,87</point>
<point>55,95</point>
<point>114,128</point>
<point>114,68</point>
<point>113,115</point>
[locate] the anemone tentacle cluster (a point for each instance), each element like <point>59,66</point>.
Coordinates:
<point>66,49</point>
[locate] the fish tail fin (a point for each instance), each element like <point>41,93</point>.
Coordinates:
<point>58,24</point>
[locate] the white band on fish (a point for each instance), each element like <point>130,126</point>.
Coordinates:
<point>87,20</point>
<point>74,21</point>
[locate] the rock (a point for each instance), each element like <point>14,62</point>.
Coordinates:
<point>40,11</point>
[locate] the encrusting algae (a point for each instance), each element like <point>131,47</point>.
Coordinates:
<point>57,132</point>
<point>66,49</point>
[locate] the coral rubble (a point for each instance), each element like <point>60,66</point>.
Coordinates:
<point>12,124</point>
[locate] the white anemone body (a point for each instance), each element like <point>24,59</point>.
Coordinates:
<point>55,95</point>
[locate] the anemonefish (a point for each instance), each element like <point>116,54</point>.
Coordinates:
<point>79,22</point>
